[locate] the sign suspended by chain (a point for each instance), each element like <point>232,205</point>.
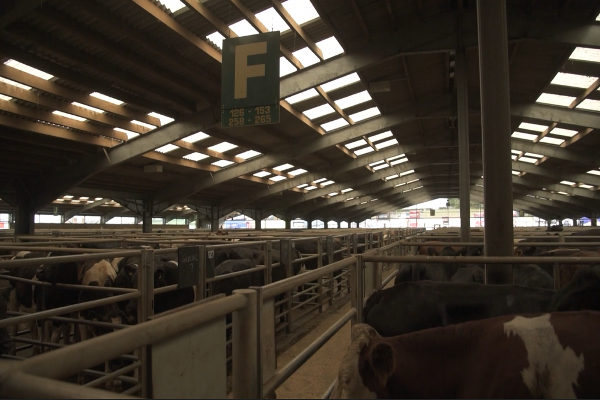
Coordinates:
<point>250,80</point>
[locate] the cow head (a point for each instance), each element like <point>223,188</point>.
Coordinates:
<point>350,383</point>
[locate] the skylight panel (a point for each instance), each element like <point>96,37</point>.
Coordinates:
<point>387,143</point>
<point>524,136</point>
<point>248,154</point>
<point>513,157</point>
<point>528,160</point>
<point>301,186</point>
<point>172,5</point>
<point>347,190</point>
<point>358,143</point>
<point>6,98</point>
<point>94,109</point>
<point>333,194</point>
<point>534,155</point>
<point>320,180</point>
<point>368,113</point>
<point>381,136</point>
<point>297,172</point>
<point>407,172</point>
<point>13,83</point>
<point>302,11</point>
<point>243,28</point>
<point>555,99</point>
<point>277,178</point>
<point>340,82</point>
<point>573,80</point>
<point>533,127</point>
<point>330,47</point>
<point>567,183</point>
<point>307,94</point>
<point>262,174</point>
<point>129,134</point>
<point>222,147</point>
<point>589,104</point>
<point>585,186</point>
<point>594,172</point>
<point>27,69</point>
<point>353,100</point>
<point>166,148</point>
<point>382,166</point>
<point>286,67</point>
<point>516,172</point>
<point>585,54</point>
<point>395,157</point>
<point>517,152</point>
<point>335,124</point>
<point>319,111</point>
<point>550,140</point>
<point>413,181</point>
<point>387,178</point>
<point>376,163</point>
<point>310,187</point>
<point>283,167</point>
<point>272,20</point>
<point>195,156</point>
<point>400,161</point>
<point>563,193</point>
<point>217,39</point>
<point>145,125</point>
<point>400,184</point>
<point>196,137</point>
<point>563,132</point>
<point>222,163</point>
<point>327,183</point>
<point>306,57</point>
<point>364,150</point>
<point>106,98</point>
<point>163,118</point>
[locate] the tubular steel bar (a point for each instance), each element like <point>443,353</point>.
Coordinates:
<point>25,262</point>
<point>329,390</point>
<point>276,288</point>
<point>246,347</point>
<point>284,373</point>
<point>486,260</point>
<point>107,347</point>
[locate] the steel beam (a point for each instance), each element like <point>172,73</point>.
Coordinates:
<point>71,213</point>
<point>13,10</point>
<point>555,152</point>
<point>556,114</point>
<point>463,143</point>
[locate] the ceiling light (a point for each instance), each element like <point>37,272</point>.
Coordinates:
<point>387,178</point>
<point>301,186</point>
<point>407,172</point>
<point>283,167</point>
<point>222,147</point>
<point>106,98</point>
<point>297,172</point>
<point>310,187</point>
<point>196,137</point>
<point>195,156</point>
<point>320,180</point>
<point>277,178</point>
<point>222,163</point>
<point>248,154</point>
<point>567,183</point>
<point>347,190</point>
<point>262,174</point>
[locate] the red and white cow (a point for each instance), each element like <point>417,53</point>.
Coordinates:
<point>532,356</point>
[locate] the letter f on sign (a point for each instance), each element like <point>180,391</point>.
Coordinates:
<point>243,71</point>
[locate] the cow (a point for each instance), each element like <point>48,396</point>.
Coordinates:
<point>473,274</point>
<point>165,274</point>
<point>413,306</point>
<point>6,343</point>
<point>532,276</point>
<point>581,293</point>
<point>420,272</point>
<point>568,271</point>
<point>530,356</point>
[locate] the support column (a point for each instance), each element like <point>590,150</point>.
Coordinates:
<point>24,215</point>
<point>495,122</point>
<point>594,219</point>
<point>147,216</point>
<point>309,223</point>
<point>574,221</point>
<point>463,145</point>
<point>214,218</point>
<point>288,220</point>
<point>257,219</point>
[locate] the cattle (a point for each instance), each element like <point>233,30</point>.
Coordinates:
<point>529,356</point>
<point>568,271</point>
<point>420,272</point>
<point>532,276</point>
<point>581,293</point>
<point>473,274</point>
<point>413,306</point>
<point>165,274</point>
<point>437,246</point>
<point>6,343</point>
<point>227,286</point>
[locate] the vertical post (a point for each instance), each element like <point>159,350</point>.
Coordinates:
<point>320,265</point>
<point>354,244</point>
<point>357,288</point>
<point>309,223</point>
<point>245,348</point>
<point>268,262</point>
<point>147,216</point>
<point>463,145</point>
<point>377,271</point>
<point>329,262</point>
<point>24,214</point>
<point>201,285</point>
<point>214,218</point>
<point>145,310</point>
<point>495,122</point>
<point>286,258</point>
<point>288,220</point>
<point>257,220</point>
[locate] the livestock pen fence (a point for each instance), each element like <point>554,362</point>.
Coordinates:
<point>137,359</point>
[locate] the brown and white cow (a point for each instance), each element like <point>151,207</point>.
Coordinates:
<point>531,356</point>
